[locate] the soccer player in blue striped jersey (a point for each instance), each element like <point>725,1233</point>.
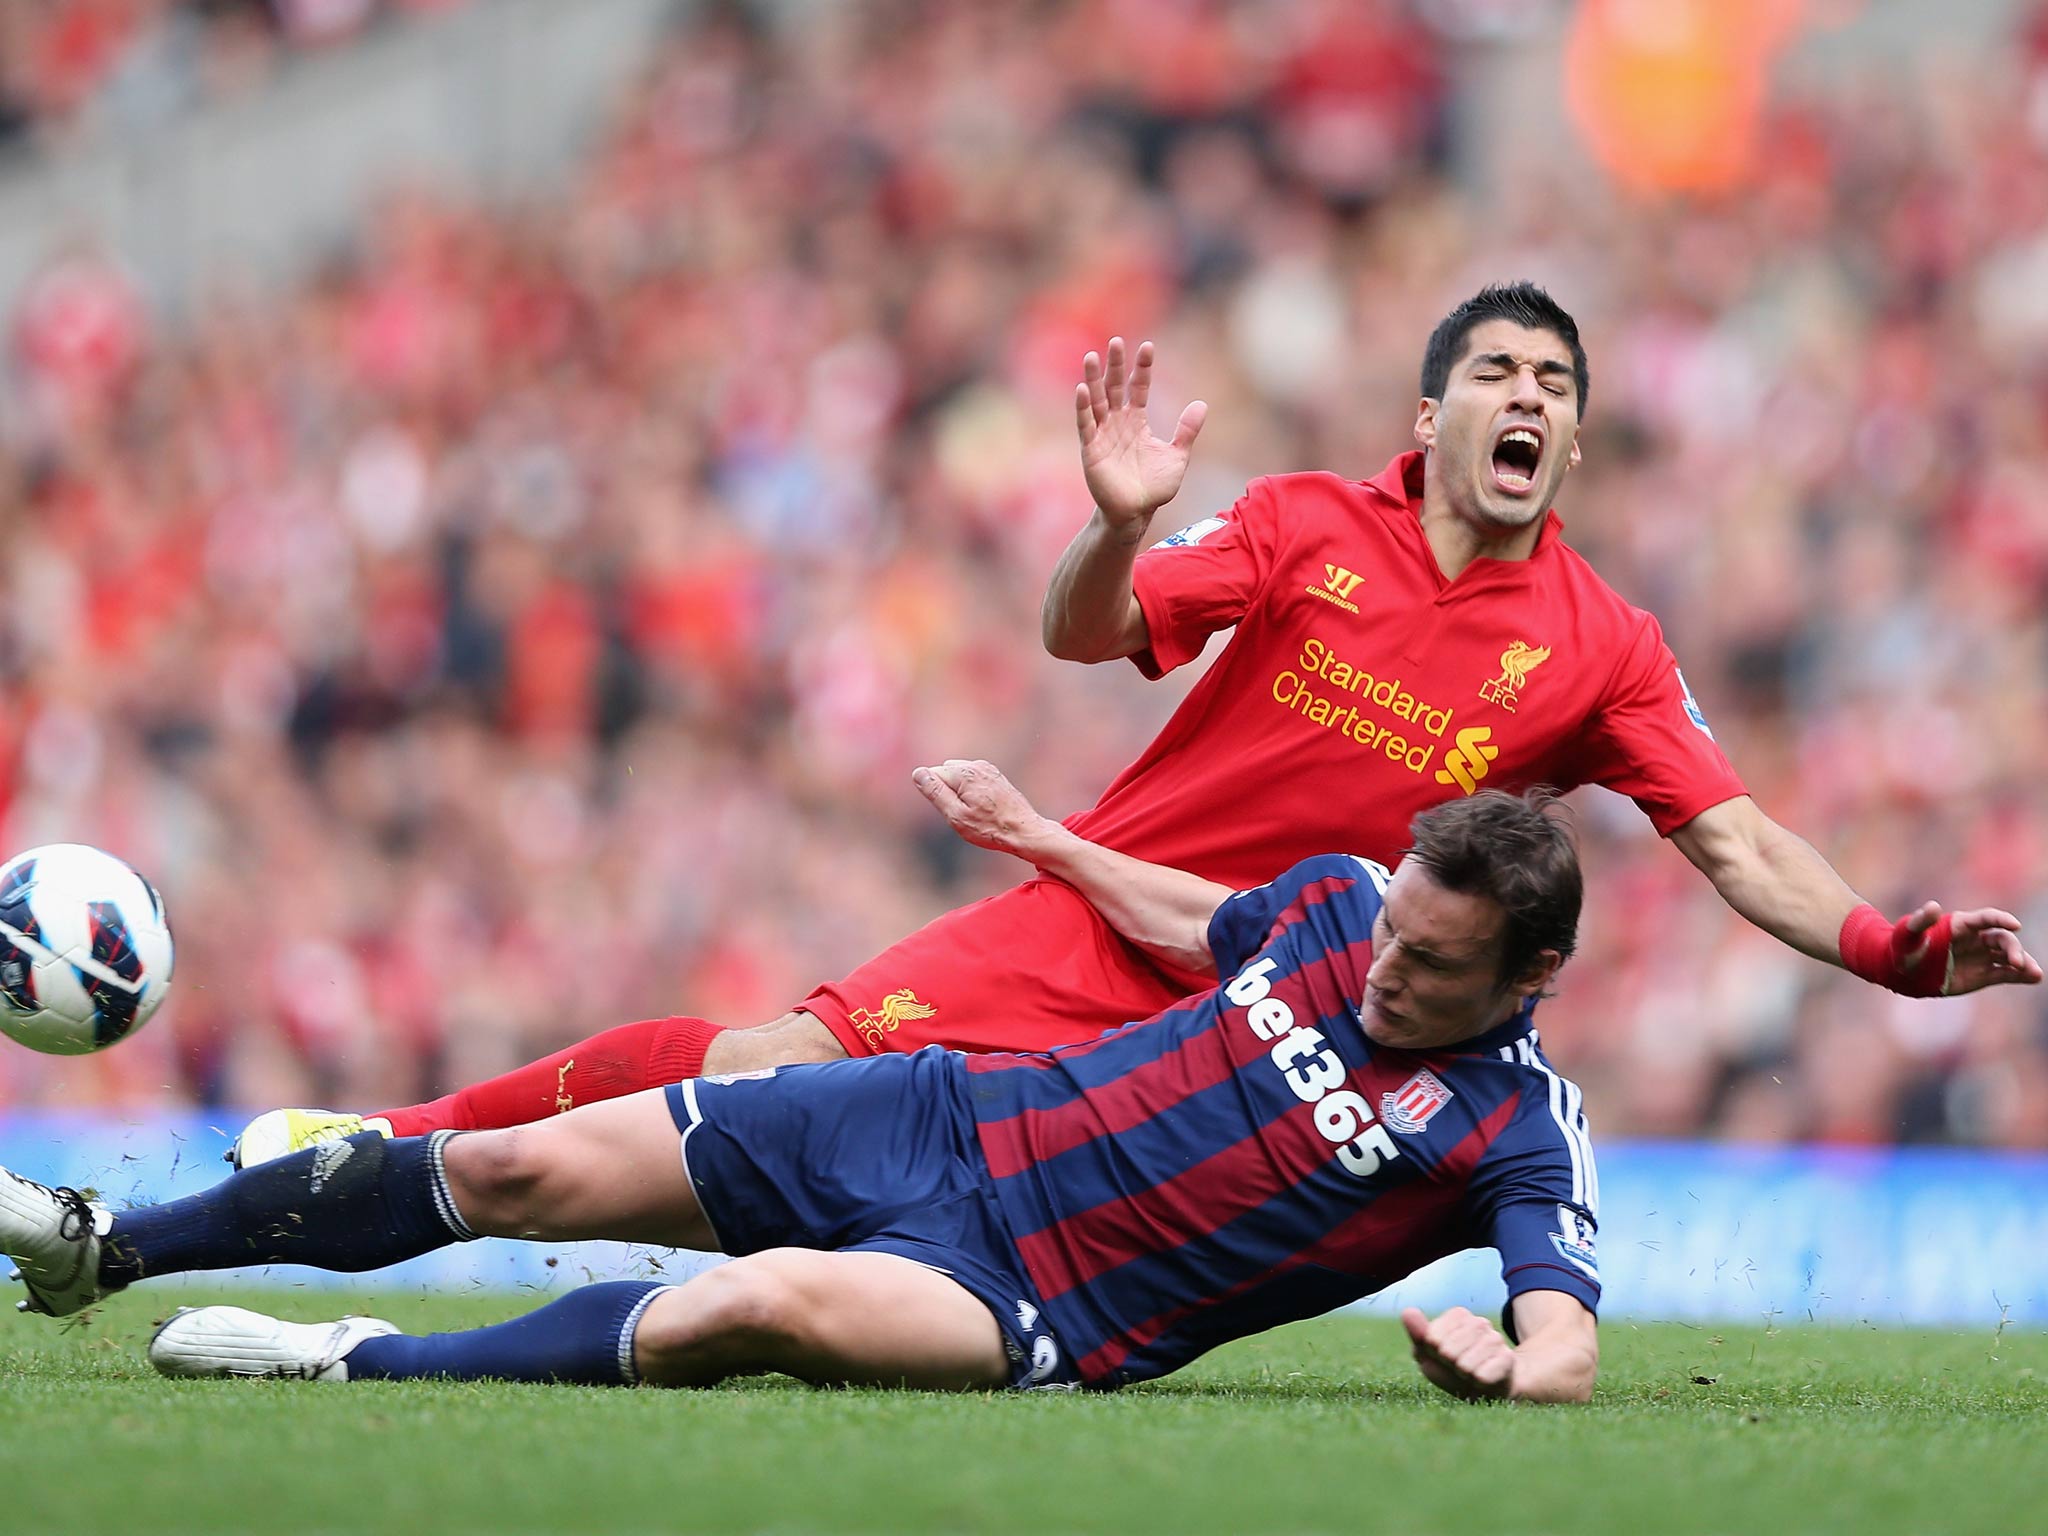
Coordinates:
<point>1361,1094</point>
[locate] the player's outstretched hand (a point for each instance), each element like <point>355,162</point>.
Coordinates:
<point>1461,1352</point>
<point>982,806</point>
<point>1984,949</point>
<point>1130,473</point>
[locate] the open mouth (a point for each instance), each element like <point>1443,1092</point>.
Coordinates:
<point>1516,453</point>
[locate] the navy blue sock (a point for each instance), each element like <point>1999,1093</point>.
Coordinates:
<point>355,1204</point>
<point>586,1339</point>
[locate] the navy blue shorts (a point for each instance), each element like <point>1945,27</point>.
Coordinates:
<point>877,1155</point>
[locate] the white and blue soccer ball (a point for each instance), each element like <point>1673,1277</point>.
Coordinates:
<point>85,949</point>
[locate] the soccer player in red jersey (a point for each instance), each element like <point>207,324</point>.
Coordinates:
<point>1397,642</point>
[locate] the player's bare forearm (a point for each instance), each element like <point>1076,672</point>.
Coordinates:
<point>1091,612</point>
<point>1163,911</point>
<point>1781,884</point>
<point>1773,877</point>
<point>1556,1361</point>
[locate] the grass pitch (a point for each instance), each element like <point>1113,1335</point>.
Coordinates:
<point>1321,1427</point>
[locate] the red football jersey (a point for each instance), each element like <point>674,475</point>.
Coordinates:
<point>1362,687</point>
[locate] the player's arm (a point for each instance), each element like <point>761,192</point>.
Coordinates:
<point>1163,911</point>
<point>1091,610</point>
<point>1779,881</point>
<point>1555,1361</point>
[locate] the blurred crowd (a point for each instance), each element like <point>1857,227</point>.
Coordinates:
<point>71,67</point>
<point>531,621</point>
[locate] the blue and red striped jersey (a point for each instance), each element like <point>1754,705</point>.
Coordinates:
<point>1250,1157</point>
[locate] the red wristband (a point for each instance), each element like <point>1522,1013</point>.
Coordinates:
<point>1875,948</point>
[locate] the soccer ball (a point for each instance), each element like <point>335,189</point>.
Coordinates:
<point>85,949</point>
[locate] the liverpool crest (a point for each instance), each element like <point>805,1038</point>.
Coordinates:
<point>1516,663</point>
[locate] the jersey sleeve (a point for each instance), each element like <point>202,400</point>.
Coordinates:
<point>1535,1198</point>
<point>1240,926</point>
<point>1650,740</point>
<point>1203,578</point>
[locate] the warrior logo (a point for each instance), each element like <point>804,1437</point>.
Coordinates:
<point>873,1023</point>
<point>1516,663</point>
<point>1340,583</point>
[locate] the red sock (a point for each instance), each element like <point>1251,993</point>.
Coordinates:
<point>649,1054</point>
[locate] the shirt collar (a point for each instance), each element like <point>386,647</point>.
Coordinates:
<point>1507,1032</point>
<point>1399,485</point>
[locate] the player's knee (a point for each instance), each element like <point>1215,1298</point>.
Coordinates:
<point>754,1304</point>
<point>495,1177</point>
<point>795,1038</point>
<point>740,1318</point>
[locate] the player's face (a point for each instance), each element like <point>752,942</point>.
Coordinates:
<point>1435,977</point>
<point>1506,432</point>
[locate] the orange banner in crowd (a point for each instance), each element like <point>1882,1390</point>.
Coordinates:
<point>1669,94</point>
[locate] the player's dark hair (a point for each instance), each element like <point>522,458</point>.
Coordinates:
<point>1519,852</point>
<point>1523,303</point>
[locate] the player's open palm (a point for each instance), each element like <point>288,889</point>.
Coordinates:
<point>1983,948</point>
<point>1130,472</point>
<point>1461,1352</point>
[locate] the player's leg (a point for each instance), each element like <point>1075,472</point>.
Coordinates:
<point>611,1063</point>
<point>854,1318</point>
<point>777,1168</point>
<point>816,1156</point>
<point>625,1059</point>
<point>350,1205</point>
<point>795,1038</point>
<point>611,1170</point>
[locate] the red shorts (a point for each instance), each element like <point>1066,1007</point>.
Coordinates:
<point>1027,970</point>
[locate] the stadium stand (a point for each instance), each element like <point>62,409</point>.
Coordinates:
<point>530,619</point>
<point>77,67</point>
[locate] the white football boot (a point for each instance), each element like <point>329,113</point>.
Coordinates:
<point>280,1132</point>
<point>53,1236</point>
<point>233,1341</point>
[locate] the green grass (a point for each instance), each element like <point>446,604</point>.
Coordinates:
<point>1322,1427</point>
